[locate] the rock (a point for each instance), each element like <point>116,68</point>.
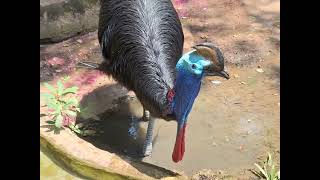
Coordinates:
<point>260,70</point>
<point>204,37</point>
<point>79,41</point>
<point>95,117</point>
<point>227,139</point>
<point>79,156</point>
<point>89,132</point>
<point>206,174</point>
<point>216,82</point>
<point>80,125</point>
<point>61,19</point>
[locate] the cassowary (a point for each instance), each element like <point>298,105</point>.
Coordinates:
<point>141,43</point>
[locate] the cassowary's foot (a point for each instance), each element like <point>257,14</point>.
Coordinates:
<point>134,124</point>
<point>133,131</point>
<point>146,116</point>
<point>147,147</point>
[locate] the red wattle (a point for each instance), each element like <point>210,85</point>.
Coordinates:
<point>179,146</point>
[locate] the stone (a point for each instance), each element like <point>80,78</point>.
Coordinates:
<point>62,19</point>
<point>89,161</point>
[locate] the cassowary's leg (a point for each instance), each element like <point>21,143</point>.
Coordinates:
<point>147,147</point>
<point>133,130</point>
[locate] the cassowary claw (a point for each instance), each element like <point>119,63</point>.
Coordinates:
<point>147,149</point>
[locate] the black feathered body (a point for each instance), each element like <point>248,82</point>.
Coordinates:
<point>141,42</point>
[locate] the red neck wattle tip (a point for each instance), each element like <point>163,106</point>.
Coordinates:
<point>179,146</point>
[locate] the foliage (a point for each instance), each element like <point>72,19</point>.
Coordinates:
<point>63,107</point>
<point>268,171</point>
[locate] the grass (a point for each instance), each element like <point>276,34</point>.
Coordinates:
<point>268,171</point>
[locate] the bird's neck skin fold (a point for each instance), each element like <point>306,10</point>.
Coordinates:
<point>170,101</point>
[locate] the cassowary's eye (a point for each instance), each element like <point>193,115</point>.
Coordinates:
<point>193,66</point>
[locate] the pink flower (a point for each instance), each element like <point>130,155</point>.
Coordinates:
<point>67,120</point>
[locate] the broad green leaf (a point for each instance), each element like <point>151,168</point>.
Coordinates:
<point>51,88</point>
<point>68,105</point>
<point>71,101</point>
<point>58,121</point>
<point>59,107</point>
<point>53,105</point>
<point>47,96</point>
<point>75,128</point>
<point>60,87</point>
<point>50,122</point>
<point>55,113</point>
<point>72,90</point>
<point>71,113</point>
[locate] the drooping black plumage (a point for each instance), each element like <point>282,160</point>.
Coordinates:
<point>141,42</point>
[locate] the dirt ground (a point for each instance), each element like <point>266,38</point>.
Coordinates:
<point>233,124</point>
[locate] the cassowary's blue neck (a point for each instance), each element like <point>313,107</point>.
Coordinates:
<point>186,89</point>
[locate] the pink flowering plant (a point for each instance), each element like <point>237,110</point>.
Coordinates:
<point>62,106</point>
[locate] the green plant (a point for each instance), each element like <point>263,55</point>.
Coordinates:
<point>63,107</point>
<point>268,171</point>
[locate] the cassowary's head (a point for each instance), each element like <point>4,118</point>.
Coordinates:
<point>214,57</point>
<point>206,59</point>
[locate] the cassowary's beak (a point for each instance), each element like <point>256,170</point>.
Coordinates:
<point>210,71</point>
<point>224,74</point>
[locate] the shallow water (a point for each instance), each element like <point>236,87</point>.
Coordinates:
<point>50,171</point>
<point>227,128</point>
